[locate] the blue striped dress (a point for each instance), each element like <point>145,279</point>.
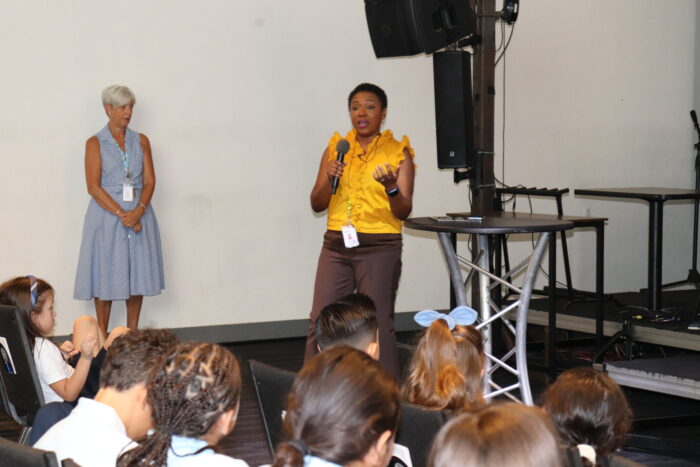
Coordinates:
<point>115,262</point>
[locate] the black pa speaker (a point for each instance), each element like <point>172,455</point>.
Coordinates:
<point>454,109</point>
<point>401,28</point>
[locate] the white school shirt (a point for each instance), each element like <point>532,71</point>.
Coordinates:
<point>92,435</point>
<point>50,367</point>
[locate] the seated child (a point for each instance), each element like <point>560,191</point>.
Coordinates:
<point>589,411</point>
<point>501,434</point>
<point>350,321</point>
<point>98,430</point>
<point>447,368</point>
<point>343,410</point>
<point>194,393</point>
<point>59,381</point>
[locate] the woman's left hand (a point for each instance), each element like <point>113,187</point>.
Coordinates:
<point>386,176</point>
<point>131,218</point>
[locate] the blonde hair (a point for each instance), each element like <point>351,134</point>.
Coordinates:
<point>117,95</point>
<point>446,369</point>
<point>500,434</point>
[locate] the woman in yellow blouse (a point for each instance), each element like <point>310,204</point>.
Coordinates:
<point>374,196</point>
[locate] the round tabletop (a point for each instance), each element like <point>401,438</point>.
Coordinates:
<point>489,225</point>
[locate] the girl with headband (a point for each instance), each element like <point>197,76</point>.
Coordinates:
<point>58,379</point>
<point>447,368</point>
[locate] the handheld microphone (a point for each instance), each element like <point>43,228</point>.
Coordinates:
<point>341,148</point>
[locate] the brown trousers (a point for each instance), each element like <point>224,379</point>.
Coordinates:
<point>374,269</point>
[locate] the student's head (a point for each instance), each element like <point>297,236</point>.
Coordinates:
<point>502,434</point>
<point>127,365</point>
<point>344,408</point>
<point>588,407</point>
<point>446,369</point>
<point>34,299</point>
<point>350,321</point>
<point>193,391</point>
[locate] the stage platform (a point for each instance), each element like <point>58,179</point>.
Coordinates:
<point>580,316</point>
<point>678,376</point>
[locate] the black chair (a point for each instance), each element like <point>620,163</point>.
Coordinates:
<point>272,386</point>
<point>18,455</point>
<point>417,429</point>
<point>20,390</point>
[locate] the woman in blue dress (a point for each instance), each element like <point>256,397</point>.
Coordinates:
<point>120,254</point>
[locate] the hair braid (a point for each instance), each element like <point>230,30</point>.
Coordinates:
<point>188,390</point>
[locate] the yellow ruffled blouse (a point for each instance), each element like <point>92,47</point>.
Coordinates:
<point>358,194</point>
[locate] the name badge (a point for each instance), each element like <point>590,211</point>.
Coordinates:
<point>350,236</point>
<point>128,192</point>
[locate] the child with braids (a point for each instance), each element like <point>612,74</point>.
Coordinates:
<point>59,381</point>
<point>447,367</point>
<point>343,410</point>
<point>194,393</point>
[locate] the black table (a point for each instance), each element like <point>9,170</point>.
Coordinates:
<point>656,197</point>
<point>598,223</point>
<point>495,224</point>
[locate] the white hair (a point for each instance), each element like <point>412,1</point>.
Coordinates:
<point>117,96</point>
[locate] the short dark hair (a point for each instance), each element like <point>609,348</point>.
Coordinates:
<point>131,357</point>
<point>350,321</point>
<point>588,407</point>
<point>374,89</point>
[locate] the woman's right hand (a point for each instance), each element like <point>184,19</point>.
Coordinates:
<point>88,347</point>
<point>334,168</point>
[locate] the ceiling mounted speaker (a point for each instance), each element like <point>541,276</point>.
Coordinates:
<point>400,28</point>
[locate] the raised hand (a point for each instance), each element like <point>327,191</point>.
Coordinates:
<point>386,175</point>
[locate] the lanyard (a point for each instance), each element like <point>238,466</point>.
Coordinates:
<point>125,157</point>
<point>370,155</point>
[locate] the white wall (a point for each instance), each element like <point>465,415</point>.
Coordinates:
<point>598,95</point>
<point>239,98</point>
<point>697,59</point>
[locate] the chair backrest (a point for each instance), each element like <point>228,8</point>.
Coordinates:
<point>417,429</point>
<point>18,455</point>
<point>20,390</point>
<point>272,386</point>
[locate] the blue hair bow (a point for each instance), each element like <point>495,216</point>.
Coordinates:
<point>461,315</point>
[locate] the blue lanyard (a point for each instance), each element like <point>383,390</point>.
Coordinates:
<point>125,157</point>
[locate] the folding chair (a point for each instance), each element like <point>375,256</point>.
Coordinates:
<point>20,390</point>
<point>18,455</point>
<point>417,429</point>
<point>272,386</point>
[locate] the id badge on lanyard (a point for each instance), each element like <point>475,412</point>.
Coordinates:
<point>349,232</point>
<point>128,186</point>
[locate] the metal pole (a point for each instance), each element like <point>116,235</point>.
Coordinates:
<point>521,325</point>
